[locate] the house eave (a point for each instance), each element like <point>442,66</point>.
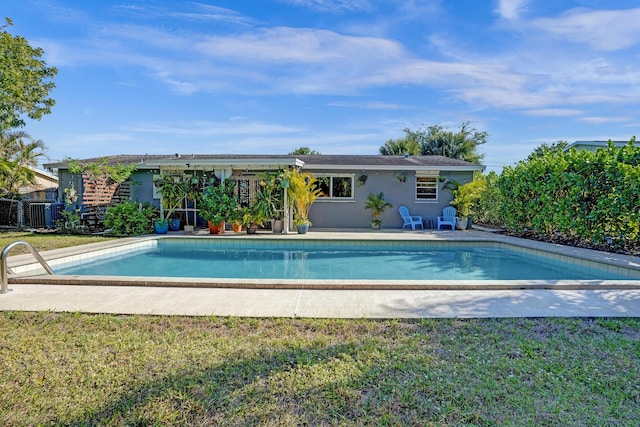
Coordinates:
<point>469,168</point>
<point>190,163</point>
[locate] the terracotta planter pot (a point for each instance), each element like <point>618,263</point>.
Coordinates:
<point>237,228</point>
<point>217,228</point>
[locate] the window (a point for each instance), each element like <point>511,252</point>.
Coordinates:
<point>427,187</point>
<point>336,186</point>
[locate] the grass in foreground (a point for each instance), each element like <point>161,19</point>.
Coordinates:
<point>80,369</point>
<point>46,242</point>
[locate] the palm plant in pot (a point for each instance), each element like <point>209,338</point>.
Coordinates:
<point>377,204</point>
<point>302,192</point>
<point>464,196</point>
<point>173,191</point>
<point>217,205</point>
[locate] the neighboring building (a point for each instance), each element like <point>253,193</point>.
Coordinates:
<point>415,181</point>
<point>594,145</point>
<point>44,187</point>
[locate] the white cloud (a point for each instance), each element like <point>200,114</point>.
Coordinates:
<point>234,126</point>
<point>289,60</point>
<point>604,30</point>
<point>553,112</point>
<point>511,9</point>
<point>367,105</point>
<point>598,120</point>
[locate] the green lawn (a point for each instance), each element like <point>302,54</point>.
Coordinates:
<point>45,241</point>
<point>81,369</point>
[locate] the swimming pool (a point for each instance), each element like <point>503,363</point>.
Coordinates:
<point>336,260</point>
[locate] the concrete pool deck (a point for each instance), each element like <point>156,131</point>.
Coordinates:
<point>622,300</point>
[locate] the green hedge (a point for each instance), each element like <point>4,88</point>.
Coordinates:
<point>577,193</point>
<point>130,219</point>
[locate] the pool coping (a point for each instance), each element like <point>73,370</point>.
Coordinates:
<point>23,264</point>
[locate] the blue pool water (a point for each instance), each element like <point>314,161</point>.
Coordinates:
<point>269,259</point>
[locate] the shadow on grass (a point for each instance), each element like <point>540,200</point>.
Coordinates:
<point>230,393</point>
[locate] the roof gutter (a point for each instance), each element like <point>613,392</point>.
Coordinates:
<point>398,167</point>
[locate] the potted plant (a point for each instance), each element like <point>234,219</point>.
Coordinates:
<point>253,218</point>
<point>464,196</point>
<point>377,204</point>
<point>193,192</point>
<point>270,198</point>
<point>236,219</point>
<point>302,192</point>
<point>176,190</point>
<point>217,205</point>
<point>171,190</point>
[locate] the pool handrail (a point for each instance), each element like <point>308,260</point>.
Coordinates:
<point>4,281</point>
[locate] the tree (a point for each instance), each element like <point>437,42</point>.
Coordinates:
<point>438,141</point>
<point>400,146</point>
<point>304,151</point>
<point>19,152</point>
<point>25,81</point>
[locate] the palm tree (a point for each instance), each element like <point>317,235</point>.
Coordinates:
<point>437,141</point>
<point>19,152</point>
<point>400,147</point>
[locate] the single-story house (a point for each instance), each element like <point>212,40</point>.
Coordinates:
<point>415,181</point>
<point>44,186</point>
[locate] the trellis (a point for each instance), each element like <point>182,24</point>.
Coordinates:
<point>98,194</point>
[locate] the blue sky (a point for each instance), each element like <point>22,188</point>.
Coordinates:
<point>339,76</point>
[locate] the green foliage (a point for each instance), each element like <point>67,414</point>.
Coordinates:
<point>303,191</point>
<point>253,215</point>
<point>70,221</point>
<point>466,195</point>
<point>377,204</point>
<point>18,153</point>
<point>545,148</point>
<point>130,219</point>
<point>486,210</point>
<point>586,194</point>
<point>401,146</point>
<point>175,190</point>
<point>117,173</point>
<point>25,81</point>
<point>436,140</point>
<point>270,196</point>
<point>304,151</point>
<point>218,202</point>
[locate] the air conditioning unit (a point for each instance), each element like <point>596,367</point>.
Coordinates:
<point>40,215</point>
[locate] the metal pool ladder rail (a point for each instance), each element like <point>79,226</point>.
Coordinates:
<point>4,281</point>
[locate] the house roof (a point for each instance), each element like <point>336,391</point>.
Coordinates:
<point>310,162</point>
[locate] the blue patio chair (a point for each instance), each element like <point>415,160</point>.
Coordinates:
<point>448,218</point>
<point>409,219</point>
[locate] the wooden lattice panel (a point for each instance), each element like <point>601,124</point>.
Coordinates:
<point>97,196</point>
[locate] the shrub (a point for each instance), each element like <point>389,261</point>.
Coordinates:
<point>130,219</point>
<point>579,193</point>
<point>486,210</point>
